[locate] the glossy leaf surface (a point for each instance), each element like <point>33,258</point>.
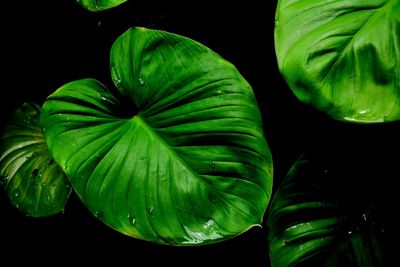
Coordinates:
<point>343,57</point>
<point>34,183</point>
<point>178,157</point>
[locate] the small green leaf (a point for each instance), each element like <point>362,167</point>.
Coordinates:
<point>343,57</point>
<point>315,221</point>
<point>178,157</point>
<point>99,5</point>
<point>34,183</point>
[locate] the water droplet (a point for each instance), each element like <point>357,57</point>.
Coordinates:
<point>99,214</point>
<point>53,206</point>
<point>35,172</point>
<point>212,165</point>
<point>210,231</point>
<point>4,178</point>
<point>115,77</point>
<point>103,99</point>
<point>16,193</point>
<point>66,167</point>
<point>43,184</point>
<point>151,210</point>
<point>276,22</point>
<point>364,217</point>
<point>209,224</point>
<point>97,6</point>
<point>99,23</point>
<point>53,184</point>
<point>132,220</point>
<point>27,120</point>
<point>141,81</point>
<point>350,232</point>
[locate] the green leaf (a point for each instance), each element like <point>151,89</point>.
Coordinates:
<point>34,183</point>
<point>343,57</point>
<point>178,157</point>
<point>316,221</point>
<point>99,5</point>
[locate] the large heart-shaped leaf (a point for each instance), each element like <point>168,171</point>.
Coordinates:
<point>99,5</point>
<point>315,220</point>
<point>35,184</point>
<point>179,157</point>
<point>343,57</point>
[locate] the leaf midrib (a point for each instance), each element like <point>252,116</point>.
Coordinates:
<point>142,123</point>
<point>377,13</point>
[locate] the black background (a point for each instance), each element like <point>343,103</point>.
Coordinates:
<point>47,44</point>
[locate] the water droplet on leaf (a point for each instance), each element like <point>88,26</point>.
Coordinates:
<point>99,214</point>
<point>364,216</point>
<point>212,165</point>
<point>151,210</point>
<point>16,193</point>
<point>4,179</point>
<point>141,81</point>
<point>210,223</point>
<point>27,120</point>
<point>115,77</point>
<point>132,220</point>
